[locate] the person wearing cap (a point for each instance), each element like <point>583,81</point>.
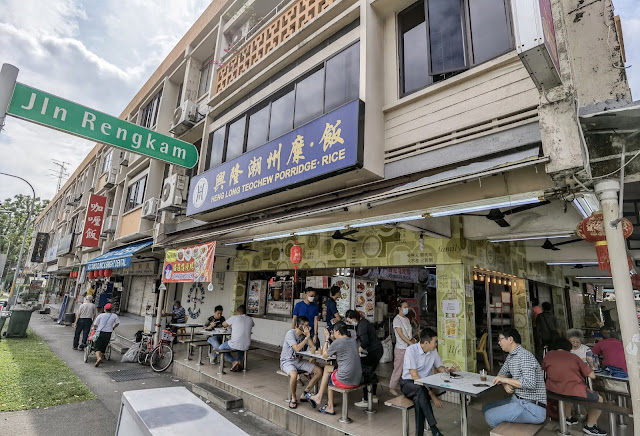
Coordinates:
<point>85,316</point>
<point>104,325</point>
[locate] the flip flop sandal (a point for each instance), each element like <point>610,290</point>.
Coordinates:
<point>303,399</point>
<point>293,405</point>
<point>307,395</point>
<point>323,409</point>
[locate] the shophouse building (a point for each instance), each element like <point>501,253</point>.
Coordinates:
<point>410,148</point>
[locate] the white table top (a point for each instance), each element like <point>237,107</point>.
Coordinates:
<point>189,324</point>
<point>214,332</point>
<point>463,385</point>
<point>315,355</point>
<point>602,374</point>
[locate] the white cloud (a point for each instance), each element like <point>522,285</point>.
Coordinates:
<point>629,11</point>
<point>95,53</point>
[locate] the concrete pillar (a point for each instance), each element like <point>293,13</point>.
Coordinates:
<point>607,191</point>
<point>8,76</point>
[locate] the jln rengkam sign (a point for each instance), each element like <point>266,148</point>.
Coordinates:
<point>42,108</point>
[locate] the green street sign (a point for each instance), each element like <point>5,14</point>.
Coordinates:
<point>39,107</point>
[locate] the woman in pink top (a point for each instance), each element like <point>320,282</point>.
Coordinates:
<point>612,351</point>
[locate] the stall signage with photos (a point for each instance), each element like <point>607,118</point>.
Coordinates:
<point>343,303</point>
<point>93,222</point>
<point>366,298</point>
<point>328,145</point>
<point>189,264</point>
<point>40,247</point>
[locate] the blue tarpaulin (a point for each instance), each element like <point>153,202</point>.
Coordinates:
<point>118,257</point>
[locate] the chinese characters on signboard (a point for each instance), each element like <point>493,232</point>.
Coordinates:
<point>189,264</point>
<point>93,223</point>
<point>40,247</point>
<point>328,145</point>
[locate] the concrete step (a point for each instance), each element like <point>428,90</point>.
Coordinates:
<point>119,347</point>
<point>217,396</point>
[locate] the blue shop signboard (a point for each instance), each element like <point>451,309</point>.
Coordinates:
<point>329,145</point>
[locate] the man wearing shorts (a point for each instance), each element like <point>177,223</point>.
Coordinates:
<point>349,372</point>
<point>294,341</point>
<point>565,376</point>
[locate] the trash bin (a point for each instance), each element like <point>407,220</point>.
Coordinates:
<point>3,318</point>
<point>18,323</point>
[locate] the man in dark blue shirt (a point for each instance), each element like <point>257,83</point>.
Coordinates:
<point>332,310</point>
<point>309,309</point>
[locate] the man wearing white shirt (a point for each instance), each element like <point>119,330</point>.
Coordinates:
<point>419,361</point>
<point>240,341</point>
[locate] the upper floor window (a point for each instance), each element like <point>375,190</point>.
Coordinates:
<point>205,78</point>
<point>149,115</point>
<point>179,99</point>
<point>328,86</point>
<point>107,161</point>
<point>441,38</point>
<point>135,194</point>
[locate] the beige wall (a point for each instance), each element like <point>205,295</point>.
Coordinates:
<point>130,223</point>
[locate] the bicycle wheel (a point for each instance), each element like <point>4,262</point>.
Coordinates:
<point>161,357</point>
<point>107,353</point>
<point>142,356</point>
<point>87,351</point>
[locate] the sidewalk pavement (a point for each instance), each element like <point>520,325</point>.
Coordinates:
<point>99,417</point>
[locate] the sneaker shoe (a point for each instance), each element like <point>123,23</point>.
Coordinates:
<point>365,404</point>
<point>572,420</point>
<point>594,430</point>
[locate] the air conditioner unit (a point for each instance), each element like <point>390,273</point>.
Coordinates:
<point>150,208</point>
<point>174,193</point>
<point>184,117</point>
<point>111,177</point>
<point>124,158</point>
<point>109,225</point>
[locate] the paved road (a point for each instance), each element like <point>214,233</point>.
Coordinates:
<point>99,417</point>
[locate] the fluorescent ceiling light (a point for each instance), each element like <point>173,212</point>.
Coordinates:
<point>578,206</point>
<point>321,230</point>
<point>239,242</point>
<point>572,263</point>
<point>494,203</point>
<point>387,220</point>
<point>586,203</point>
<point>266,238</point>
<point>531,238</point>
<point>594,278</point>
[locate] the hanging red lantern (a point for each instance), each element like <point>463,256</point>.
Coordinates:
<point>100,273</point>
<point>108,272</point>
<point>90,275</point>
<point>591,229</point>
<point>635,281</point>
<point>296,258</point>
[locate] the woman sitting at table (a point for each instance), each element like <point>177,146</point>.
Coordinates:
<point>576,338</point>
<point>349,372</point>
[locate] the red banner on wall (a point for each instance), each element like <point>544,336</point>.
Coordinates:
<point>189,264</point>
<point>93,222</point>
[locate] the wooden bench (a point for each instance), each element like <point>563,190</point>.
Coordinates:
<point>403,403</point>
<point>516,429</point>
<point>612,409</point>
<point>345,401</point>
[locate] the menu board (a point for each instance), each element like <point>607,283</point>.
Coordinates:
<point>344,302</point>
<point>318,282</point>
<point>279,308</point>
<point>366,298</point>
<point>256,297</point>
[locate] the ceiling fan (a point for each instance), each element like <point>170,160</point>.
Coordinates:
<point>498,216</point>
<point>242,247</point>
<point>338,235</point>
<point>548,245</point>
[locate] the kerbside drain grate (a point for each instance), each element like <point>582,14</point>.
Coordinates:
<point>129,374</point>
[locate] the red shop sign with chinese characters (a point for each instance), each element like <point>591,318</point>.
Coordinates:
<point>93,223</point>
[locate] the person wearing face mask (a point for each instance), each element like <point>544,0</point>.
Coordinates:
<point>308,308</point>
<point>402,330</point>
<point>178,315</point>
<point>369,343</point>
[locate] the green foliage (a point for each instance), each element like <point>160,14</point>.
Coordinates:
<point>34,377</point>
<point>12,226</point>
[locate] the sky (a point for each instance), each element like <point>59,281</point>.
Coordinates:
<point>99,53</point>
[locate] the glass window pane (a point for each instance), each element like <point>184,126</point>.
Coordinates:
<point>205,76</point>
<point>216,147</point>
<point>489,29</point>
<point>446,37</point>
<point>309,98</point>
<point>235,140</point>
<point>281,116</point>
<point>258,128</point>
<point>343,78</point>
<point>140,193</point>
<point>413,49</point>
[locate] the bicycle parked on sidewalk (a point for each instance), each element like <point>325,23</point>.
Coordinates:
<point>160,356</point>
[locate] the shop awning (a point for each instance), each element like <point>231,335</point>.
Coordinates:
<point>118,257</point>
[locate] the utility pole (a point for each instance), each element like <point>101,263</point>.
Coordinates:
<point>60,172</point>
<point>607,191</point>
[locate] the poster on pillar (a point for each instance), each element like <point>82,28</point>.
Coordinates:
<point>189,264</point>
<point>93,222</point>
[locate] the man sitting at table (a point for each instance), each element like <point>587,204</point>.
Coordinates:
<point>419,361</point>
<point>294,341</point>
<point>240,341</point>
<point>565,376</point>
<point>522,376</point>
<point>349,372</point>
<point>611,349</point>
<point>214,322</point>
<point>178,316</point>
